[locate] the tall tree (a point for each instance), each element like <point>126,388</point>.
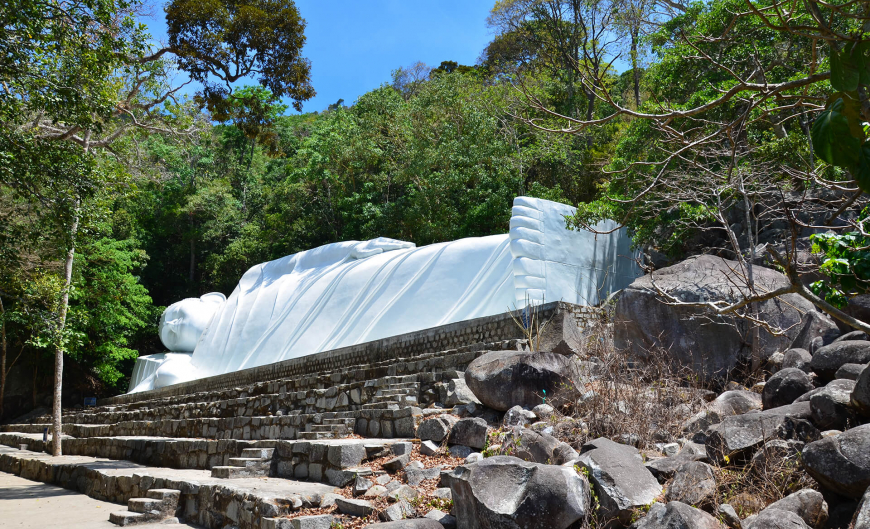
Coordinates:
<point>81,76</point>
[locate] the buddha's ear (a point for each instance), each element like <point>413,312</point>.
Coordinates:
<point>213,297</point>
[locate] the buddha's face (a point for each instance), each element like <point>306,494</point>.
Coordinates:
<point>183,322</point>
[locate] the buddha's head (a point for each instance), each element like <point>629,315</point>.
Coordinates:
<point>183,322</point>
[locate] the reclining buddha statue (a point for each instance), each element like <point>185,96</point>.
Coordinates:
<point>353,292</point>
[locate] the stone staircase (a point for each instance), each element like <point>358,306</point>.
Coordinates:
<point>206,430</point>
<point>398,394</point>
<point>159,505</point>
<point>281,409</point>
<point>254,462</point>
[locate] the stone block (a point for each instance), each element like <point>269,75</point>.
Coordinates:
<point>300,471</point>
<point>321,521</point>
<point>404,427</point>
<point>346,455</point>
<point>402,448</point>
<point>351,507</point>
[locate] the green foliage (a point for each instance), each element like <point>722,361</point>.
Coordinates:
<point>233,39</point>
<point>58,57</point>
<point>846,262</point>
<point>109,308</point>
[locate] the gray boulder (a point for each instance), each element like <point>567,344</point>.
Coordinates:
<point>459,393</point>
<point>428,448</point>
<point>397,511</point>
<point>841,462</point>
<point>415,476</point>
<point>447,521</point>
<point>861,519</point>
<point>853,336</point>
<point>816,327</point>
<point>404,492</point>
<point>504,379</point>
<point>797,358</point>
<point>728,515</point>
<point>361,485</point>
<point>544,412</point>
<point>530,445</point>
<point>621,480</point>
<point>460,451</point>
<point>517,416</point>
<point>734,402</point>
<point>809,504</point>
<point>830,407</point>
<point>693,484</point>
<point>711,345</point>
<point>775,361</point>
<point>436,429</point>
<point>774,453</point>
<point>664,468</point>
<point>860,398</point>
<point>808,395</point>
<point>415,523</point>
<point>354,507</point>
<point>506,492</point>
<point>828,359</point>
<point>739,436</point>
<point>850,371</point>
<point>676,515</point>
<point>784,387</point>
<point>469,432</point>
<point>859,307</point>
<point>397,463</point>
<point>775,519</point>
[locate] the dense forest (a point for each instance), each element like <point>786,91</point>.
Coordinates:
<point>706,126</point>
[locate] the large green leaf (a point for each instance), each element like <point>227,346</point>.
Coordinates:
<point>862,62</point>
<point>845,71</point>
<point>861,171</point>
<point>833,140</point>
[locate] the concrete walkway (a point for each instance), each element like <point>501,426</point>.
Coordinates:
<point>26,504</point>
<point>211,502</point>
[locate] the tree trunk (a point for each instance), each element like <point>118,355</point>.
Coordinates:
<point>192,252</point>
<point>590,111</point>
<point>2,355</point>
<point>636,74</point>
<point>57,426</point>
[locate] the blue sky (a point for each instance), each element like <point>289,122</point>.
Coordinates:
<point>354,45</point>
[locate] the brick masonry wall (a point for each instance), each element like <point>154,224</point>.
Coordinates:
<point>348,393</point>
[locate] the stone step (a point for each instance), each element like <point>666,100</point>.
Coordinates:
<point>169,495</point>
<point>386,405</point>
<point>314,436</point>
<point>350,421</point>
<point>260,453</point>
<point>144,505</point>
<point>289,386</point>
<point>392,392</point>
<point>248,462</point>
<point>125,518</point>
<point>211,405</point>
<point>160,502</point>
<point>334,429</point>
<point>230,472</point>
<point>408,386</point>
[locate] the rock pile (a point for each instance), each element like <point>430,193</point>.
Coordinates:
<point>807,417</point>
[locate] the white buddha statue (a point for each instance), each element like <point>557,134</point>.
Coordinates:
<point>354,292</point>
<point>180,327</point>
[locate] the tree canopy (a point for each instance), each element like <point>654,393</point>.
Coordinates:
<point>734,127</point>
